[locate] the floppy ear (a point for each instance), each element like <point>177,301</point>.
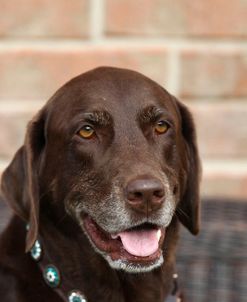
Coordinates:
<point>188,210</point>
<point>20,185</point>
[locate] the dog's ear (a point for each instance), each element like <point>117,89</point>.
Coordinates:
<point>188,210</point>
<point>20,184</point>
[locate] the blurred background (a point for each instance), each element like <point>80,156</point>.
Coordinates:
<point>198,51</point>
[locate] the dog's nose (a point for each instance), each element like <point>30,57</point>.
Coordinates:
<point>145,194</point>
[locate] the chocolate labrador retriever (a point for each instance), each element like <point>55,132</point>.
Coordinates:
<point>108,168</point>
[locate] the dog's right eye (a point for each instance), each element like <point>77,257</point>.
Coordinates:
<point>86,132</point>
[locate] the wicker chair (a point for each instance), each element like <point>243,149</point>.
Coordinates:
<point>213,266</point>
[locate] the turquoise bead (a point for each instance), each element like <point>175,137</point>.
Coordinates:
<point>36,251</point>
<point>52,276</point>
<point>76,296</point>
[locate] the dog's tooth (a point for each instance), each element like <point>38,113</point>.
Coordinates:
<point>114,236</point>
<point>158,234</point>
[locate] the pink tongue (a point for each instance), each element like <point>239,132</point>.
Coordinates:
<point>141,243</point>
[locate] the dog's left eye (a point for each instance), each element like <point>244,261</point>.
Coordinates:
<point>161,127</point>
<point>86,132</point>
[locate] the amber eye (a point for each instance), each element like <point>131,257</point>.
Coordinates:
<point>86,132</point>
<point>161,127</point>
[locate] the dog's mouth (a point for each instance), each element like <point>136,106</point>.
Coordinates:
<point>141,244</point>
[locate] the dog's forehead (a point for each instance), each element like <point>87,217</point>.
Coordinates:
<point>117,91</point>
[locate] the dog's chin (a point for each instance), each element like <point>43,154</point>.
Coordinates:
<point>135,250</point>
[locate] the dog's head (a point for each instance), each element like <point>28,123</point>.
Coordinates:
<point>117,153</point>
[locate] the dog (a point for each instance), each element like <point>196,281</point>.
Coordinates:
<point>108,170</point>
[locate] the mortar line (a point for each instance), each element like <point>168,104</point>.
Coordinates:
<point>96,20</point>
<point>99,41</point>
<point>173,69</point>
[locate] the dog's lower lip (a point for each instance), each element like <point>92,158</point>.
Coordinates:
<point>113,246</point>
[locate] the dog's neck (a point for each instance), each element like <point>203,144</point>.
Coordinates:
<point>81,270</point>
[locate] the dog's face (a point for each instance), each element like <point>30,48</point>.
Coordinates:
<point>117,153</point>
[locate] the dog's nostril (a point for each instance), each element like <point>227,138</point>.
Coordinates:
<point>175,190</point>
<point>159,193</point>
<point>137,195</point>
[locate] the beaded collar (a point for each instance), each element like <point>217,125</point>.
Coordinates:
<point>53,279</point>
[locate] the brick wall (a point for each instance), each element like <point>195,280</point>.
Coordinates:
<point>196,49</point>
